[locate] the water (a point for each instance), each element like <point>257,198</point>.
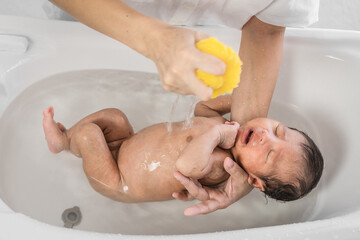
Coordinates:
<point>187,115</point>
<point>190,113</point>
<point>41,184</point>
<point>172,114</point>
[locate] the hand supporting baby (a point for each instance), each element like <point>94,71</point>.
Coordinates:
<point>223,195</point>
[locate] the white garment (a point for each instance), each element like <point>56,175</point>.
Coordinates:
<point>232,13</point>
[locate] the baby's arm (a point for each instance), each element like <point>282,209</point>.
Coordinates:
<point>213,108</point>
<point>195,161</point>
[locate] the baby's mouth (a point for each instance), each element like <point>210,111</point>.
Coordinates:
<point>246,136</point>
<point>249,136</point>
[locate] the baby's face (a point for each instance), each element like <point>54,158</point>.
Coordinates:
<point>265,147</point>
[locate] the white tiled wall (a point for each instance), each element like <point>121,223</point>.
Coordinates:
<point>338,14</point>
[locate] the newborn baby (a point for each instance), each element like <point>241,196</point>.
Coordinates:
<point>280,161</point>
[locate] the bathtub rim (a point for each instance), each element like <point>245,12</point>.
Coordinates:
<point>324,226</point>
<point>345,227</point>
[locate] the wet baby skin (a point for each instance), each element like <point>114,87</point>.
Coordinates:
<point>136,167</point>
<point>140,167</point>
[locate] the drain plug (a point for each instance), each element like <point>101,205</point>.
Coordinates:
<point>71,217</point>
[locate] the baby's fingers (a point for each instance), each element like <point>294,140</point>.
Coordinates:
<point>235,124</point>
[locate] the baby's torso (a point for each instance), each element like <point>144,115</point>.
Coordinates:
<point>147,160</point>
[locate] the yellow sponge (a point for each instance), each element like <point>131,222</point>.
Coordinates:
<point>231,78</point>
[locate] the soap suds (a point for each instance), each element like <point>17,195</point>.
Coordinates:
<point>153,165</point>
<point>150,166</point>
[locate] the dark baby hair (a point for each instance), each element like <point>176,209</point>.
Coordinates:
<point>314,164</point>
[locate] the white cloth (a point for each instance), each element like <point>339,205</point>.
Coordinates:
<point>232,13</point>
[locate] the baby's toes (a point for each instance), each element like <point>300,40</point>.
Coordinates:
<point>48,112</point>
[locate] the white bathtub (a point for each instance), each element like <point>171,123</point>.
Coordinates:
<point>49,62</point>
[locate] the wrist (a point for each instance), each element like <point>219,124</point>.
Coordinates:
<point>218,135</point>
<point>154,34</point>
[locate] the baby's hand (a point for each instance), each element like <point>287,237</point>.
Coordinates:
<point>228,133</point>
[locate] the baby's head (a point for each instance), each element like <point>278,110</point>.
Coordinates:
<point>282,162</point>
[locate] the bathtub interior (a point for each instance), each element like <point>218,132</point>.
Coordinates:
<point>316,86</point>
<point>61,183</point>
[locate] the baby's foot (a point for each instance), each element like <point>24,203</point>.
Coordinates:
<point>54,132</point>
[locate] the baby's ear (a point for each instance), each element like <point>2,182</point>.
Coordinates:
<point>256,182</point>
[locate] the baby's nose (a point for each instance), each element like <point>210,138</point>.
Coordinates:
<point>264,136</point>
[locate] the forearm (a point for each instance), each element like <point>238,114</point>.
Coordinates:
<point>194,160</point>
<point>261,52</point>
<point>114,19</point>
<point>214,107</point>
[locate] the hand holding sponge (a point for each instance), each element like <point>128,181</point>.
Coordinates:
<point>231,78</point>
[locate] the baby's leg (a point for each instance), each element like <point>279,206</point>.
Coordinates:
<point>55,133</point>
<point>112,122</point>
<point>90,139</point>
<point>114,125</point>
<point>100,167</point>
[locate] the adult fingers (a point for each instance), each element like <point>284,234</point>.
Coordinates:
<point>181,91</point>
<point>198,88</point>
<point>202,208</point>
<point>206,63</point>
<point>234,170</point>
<point>238,185</point>
<point>192,86</point>
<point>209,63</point>
<point>182,196</point>
<point>192,187</point>
<point>200,36</point>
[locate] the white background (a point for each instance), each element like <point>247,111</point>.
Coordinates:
<point>339,14</point>
<point>335,14</point>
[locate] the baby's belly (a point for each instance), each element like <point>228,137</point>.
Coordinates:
<point>148,175</point>
<point>147,162</point>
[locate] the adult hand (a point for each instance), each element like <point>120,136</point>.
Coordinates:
<point>212,198</point>
<point>176,57</point>
<point>171,48</point>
